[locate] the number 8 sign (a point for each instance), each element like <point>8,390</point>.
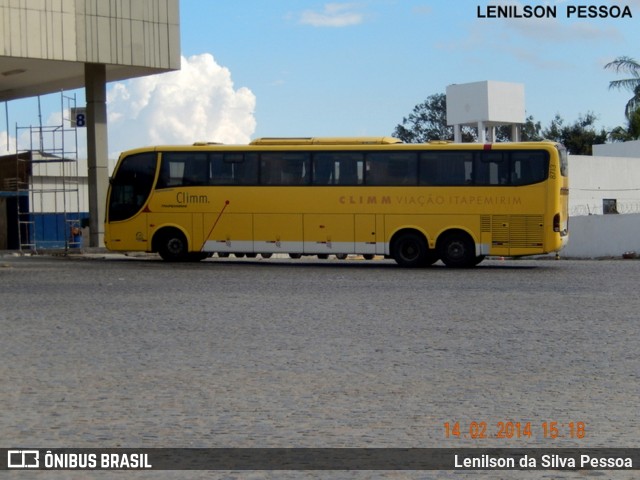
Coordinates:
<point>78,117</point>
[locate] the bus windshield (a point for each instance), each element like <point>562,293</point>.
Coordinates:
<point>131,186</point>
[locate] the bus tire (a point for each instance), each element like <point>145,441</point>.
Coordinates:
<point>457,250</point>
<point>410,250</point>
<point>172,246</point>
<point>341,256</point>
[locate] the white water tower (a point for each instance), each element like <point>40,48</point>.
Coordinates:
<point>485,105</point>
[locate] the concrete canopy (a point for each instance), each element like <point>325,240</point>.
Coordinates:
<point>45,44</point>
<point>25,77</point>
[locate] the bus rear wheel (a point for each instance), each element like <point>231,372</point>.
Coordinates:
<point>172,246</point>
<point>457,250</point>
<point>410,250</point>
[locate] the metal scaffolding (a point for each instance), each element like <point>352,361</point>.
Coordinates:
<point>48,185</point>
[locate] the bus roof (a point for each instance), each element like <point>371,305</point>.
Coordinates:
<point>326,141</point>
<point>349,143</point>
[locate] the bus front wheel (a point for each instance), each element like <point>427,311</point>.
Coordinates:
<point>172,246</point>
<point>410,250</point>
<point>457,250</point>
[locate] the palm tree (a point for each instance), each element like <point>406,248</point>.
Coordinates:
<point>632,67</point>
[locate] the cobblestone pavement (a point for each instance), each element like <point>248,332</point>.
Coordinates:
<point>113,351</point>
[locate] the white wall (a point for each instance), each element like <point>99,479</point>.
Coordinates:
<point>57,195</point>
<point>624,149</point>
<point>592,179</point>
<point>595,236</point>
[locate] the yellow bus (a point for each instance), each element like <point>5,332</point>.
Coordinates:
<point>415,203</point>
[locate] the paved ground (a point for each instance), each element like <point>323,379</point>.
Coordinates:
<point>112,351</point>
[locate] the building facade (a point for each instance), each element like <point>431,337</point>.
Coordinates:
<point>45,44</point>
<point>53,45</point>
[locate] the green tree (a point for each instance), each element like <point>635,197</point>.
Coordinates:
<point>578,137</point>
<point>529,132</point>
<point>428,121</point>
<point>629,66</point>
<point>630,132</point>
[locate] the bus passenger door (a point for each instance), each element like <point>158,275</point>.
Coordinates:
<point>365,230</point>
<point>129,235</point>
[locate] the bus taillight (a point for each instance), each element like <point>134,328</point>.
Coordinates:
<point>556,223</point>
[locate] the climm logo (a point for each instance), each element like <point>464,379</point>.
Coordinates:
<point>422,200</point>
<point>186,198</point>
<point>365,200</point>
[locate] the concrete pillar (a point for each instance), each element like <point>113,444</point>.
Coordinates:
<point>97,149</point>
<point>515,133</point>
<point>482,134</point>
<point>457,134</point>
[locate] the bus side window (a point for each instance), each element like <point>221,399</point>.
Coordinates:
<point>346,172</point>
<point>440,168</point>
<point>295,169</point>
<point>196,169</point>
<point>349,169</point>
<point>183,169</point>
<point>171,172</point>
<point>338,168</point>
<point>221,171</point>
<point>284,168</point>
<point>491,168</point>
<point>245,172</point>
<point>233,168</point>
<point>392,168</point>
<point>269,170</point>
<point>323,168</point>
<point>529,167</point>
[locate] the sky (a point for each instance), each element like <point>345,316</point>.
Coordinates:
<point>279,68</point>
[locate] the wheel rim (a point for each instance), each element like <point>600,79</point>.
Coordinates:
<point>175,246</point>
<point>409,251</point>
<point>456,250</point>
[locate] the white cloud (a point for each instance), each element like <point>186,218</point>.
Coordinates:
<point>7,145</point>
<point>197,103</point>
<point>333,15</point>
